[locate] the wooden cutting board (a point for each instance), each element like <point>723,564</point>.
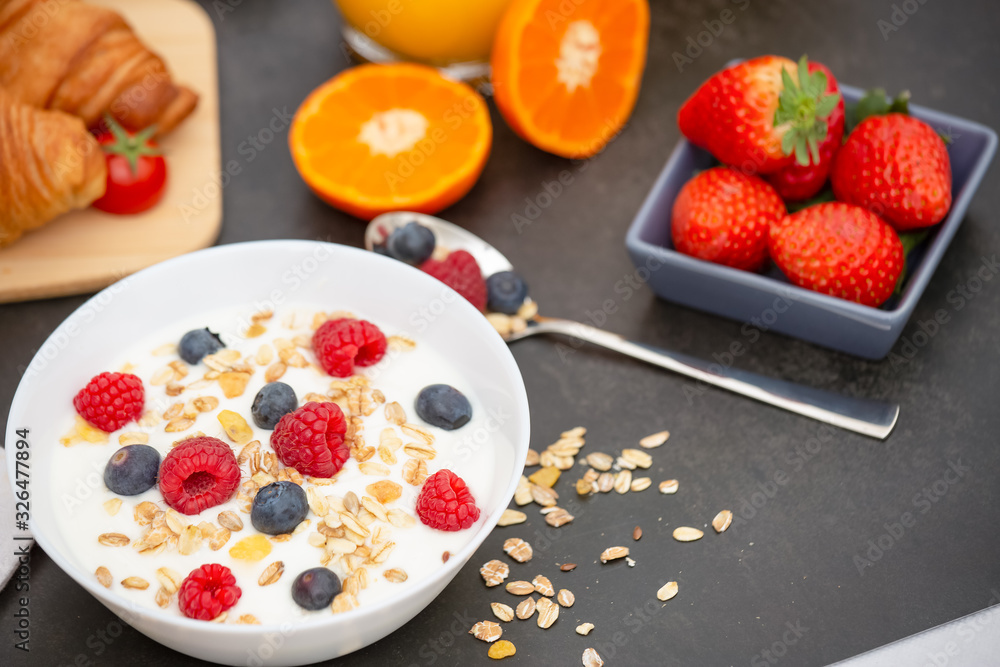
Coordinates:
<point>86,250</point>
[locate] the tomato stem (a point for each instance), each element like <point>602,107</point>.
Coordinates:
<point>130,146</point>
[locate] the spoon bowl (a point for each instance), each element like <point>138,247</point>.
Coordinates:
<point>489,258</point>
<point>869,417</point>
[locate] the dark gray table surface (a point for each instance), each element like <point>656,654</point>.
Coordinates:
<point>791,559</point>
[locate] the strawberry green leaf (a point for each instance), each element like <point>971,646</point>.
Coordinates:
<point>911,241</point>
<point>803,72</point>
<point>813,149</point>
<point>873,103</point>
<point>817,84</point>
<point>826,105</point>
<point>787,83</point>
<point>787,143</point>
<point>801,153</point>
<point>876,103</point>
<point>802,106</point>
<point>901,104</point>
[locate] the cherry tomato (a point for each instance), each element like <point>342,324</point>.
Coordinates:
<point>137,172</point>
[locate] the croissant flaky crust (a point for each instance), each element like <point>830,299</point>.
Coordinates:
<point>86,60</point>
<point>49,164</point>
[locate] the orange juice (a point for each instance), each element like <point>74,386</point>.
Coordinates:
<point>431,31</point>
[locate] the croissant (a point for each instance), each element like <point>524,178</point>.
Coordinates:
<point>85,60</point>
<point>49,164</point>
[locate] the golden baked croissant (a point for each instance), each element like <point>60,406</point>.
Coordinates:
<point>49,164</point>
<point>85,60</point>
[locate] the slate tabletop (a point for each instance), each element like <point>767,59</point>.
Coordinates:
<point>840,543</point>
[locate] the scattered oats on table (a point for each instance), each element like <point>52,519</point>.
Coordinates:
<point>487,631</point>
<point>592,659</point>
<point>543,495</point>
<point>494,572</point>
<point>667,591</point>
<point>548,613</point>
<point>623,481</point>
<point>543,585</point>
<point>640,484</point>
<point>638,457</point>
<point>526,608</point>
<point>520,587</point>
<point>687,534</point>
<point>522,494</point>
<point>669,486</point>
<point>558,517</point>
<point>722,521</point>
<point>502,611</point>
<point>517,549</point>
<point>654,440</point>
<point>613,553</point>
<point>511,517</point>
<point>600,461</point>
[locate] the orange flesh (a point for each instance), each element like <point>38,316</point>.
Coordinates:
<point>565,120</point>
<point>390,137</point>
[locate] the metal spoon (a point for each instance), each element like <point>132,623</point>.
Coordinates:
<point>869,417</point>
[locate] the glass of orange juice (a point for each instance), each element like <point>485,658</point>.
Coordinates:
<point>455,35</point>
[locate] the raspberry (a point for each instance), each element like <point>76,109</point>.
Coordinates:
<point>460,272</point>
<point>110,400</point>
<point>342,343</point>
<point>311,439</point>
<point>445,503</point>
<point>199,473</point>
<point>208,591</point>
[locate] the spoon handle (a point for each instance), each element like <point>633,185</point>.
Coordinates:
<point>869,417</point>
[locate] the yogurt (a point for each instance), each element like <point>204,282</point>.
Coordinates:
<point>397,378</point>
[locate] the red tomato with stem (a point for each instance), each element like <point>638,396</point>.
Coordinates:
<point>137,171</point>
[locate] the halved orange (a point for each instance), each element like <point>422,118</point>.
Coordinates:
<point>566,73</point>
<point>380,138</point>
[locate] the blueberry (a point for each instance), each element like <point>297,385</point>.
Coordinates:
<point>444,406</point>
<point>412,243</point>
<point>278,508</point>
<point>315,588</point>
<point>507,291</point>
<point>197,343</point>
<point>380,249</point>
<point>272,402</point>
<point>132,470</point>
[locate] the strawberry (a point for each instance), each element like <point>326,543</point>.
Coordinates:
<point>797,182</point>
<point>896,166</point>
<point>722,215</point>
<point>760,115</point>
<point>838,249</point>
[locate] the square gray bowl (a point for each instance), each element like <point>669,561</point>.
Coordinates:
<point>768,300</point>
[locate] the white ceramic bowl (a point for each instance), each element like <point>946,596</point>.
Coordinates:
<point>250,273</point>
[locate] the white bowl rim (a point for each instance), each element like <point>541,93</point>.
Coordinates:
<point>475,318</point>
